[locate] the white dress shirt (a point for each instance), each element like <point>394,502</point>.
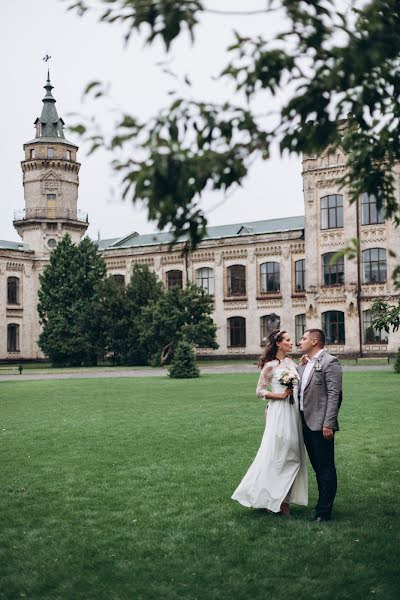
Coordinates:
<point>306,376</point>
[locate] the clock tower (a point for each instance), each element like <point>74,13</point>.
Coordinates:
<point>51,179</point>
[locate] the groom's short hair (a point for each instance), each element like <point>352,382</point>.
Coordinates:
<point>319,334</point>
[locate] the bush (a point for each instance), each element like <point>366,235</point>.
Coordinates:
<point>396,365</point>
<point>183,365</point>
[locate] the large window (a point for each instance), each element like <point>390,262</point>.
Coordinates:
<point>370,215</point>
<point>332,269</point>
<point>371,335</point>
<point>12,290</point>
<point>50,152</point>
<point>333,326</point>
<point>205,279</point>
<point>12,337</point>
<point>332,211</point>
<point>300,327</point>
<point>174,279</point>
<point>300,275</point>
<point>374,265</point>
<point>119,280</point>
<point>237,280</point>
<point>267,324</point>
<point>236,332</point>
<point>270,278</point>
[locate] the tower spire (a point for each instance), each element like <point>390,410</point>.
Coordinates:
<point>49,124</point>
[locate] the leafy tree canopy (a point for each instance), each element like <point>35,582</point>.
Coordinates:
<point>70,299</point>
<point>338,63</point>
<point>179,314</point>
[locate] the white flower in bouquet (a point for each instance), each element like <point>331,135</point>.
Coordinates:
<point>289,380</point>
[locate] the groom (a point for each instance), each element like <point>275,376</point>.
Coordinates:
<point>320,396</point>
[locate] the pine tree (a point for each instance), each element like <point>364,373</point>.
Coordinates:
<point>178,314</point>
<point>69,305</point>
<point>183,365</point>
<point>396,365</point>
<point>114,318</point>
<point>143,291</point>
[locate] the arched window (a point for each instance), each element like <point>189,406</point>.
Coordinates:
<point>270,278</point>
<point>300,275</point>
<point>332,211</point>
<point>267,324</point>
<point>374,265</point>
<point>174,279</point>
<point>300,327</point>
<point>332,272</point>
<point>236,332</point>
<point>119,280</point>
<point>13,290</point>
<point>370,215</point>
<point>12,337</point>
<point>333,326</point>
<point>205,279</point>
<point>371,335</point>
<point>236,280</point>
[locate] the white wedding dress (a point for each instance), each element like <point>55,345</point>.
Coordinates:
<point>278,473</point>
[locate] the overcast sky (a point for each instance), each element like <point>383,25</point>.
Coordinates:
<point>83,50</point>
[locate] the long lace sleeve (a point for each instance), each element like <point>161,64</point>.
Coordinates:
<point>264,380</point>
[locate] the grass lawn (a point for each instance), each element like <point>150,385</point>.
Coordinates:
<point>120,490</point>
<point>46,367</point>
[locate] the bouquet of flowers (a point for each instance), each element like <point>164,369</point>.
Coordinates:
<point>289,380</point>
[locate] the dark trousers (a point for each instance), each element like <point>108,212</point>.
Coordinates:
<point>322,457</point>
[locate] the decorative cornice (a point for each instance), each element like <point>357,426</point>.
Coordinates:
<point>269,251</point>
<point>374,289</point>
<point>202,256</point>
<point>145,260</point>
<point>235,253</point>
<point>334,291</point>
<point>170,260</point>
<point>298,248</point>
<point>15,313</point>
<point>299,303</point>
<point>373,234</point>
<point>228,305</point>
<point>273,303</point>
<point>333,238</point>
<point>115,264</point>
<point>14,266</point>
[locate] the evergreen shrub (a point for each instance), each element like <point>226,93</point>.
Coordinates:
<point>396,365</point>
<point>183,364</point>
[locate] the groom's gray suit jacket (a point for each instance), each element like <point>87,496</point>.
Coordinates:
<point>323,393</point>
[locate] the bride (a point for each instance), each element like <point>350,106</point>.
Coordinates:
<point>278,475</point>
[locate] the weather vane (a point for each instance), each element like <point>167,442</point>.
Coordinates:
<point>46,57</point>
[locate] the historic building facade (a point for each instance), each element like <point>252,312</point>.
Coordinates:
<point>261,275</point>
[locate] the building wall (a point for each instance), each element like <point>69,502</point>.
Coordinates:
<point>320,179</point>
<point>249,251</point>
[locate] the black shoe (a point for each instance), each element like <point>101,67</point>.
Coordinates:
<point>321,518</point>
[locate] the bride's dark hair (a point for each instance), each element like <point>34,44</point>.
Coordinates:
<point>271,348</point>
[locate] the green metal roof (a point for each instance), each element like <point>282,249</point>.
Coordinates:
<point>217,232</point>
<point>50,140</point>
<point>49,125</point>
<point>4,245</point>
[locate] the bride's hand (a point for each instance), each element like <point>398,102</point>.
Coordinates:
<point>287,393</point>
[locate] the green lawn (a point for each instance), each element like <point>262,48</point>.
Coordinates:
<point>46,367</point>
<point>120,489</point>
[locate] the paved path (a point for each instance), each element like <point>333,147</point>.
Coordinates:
<point>98,374</point>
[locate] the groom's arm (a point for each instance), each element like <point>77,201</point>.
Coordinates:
<point>333,382</point>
